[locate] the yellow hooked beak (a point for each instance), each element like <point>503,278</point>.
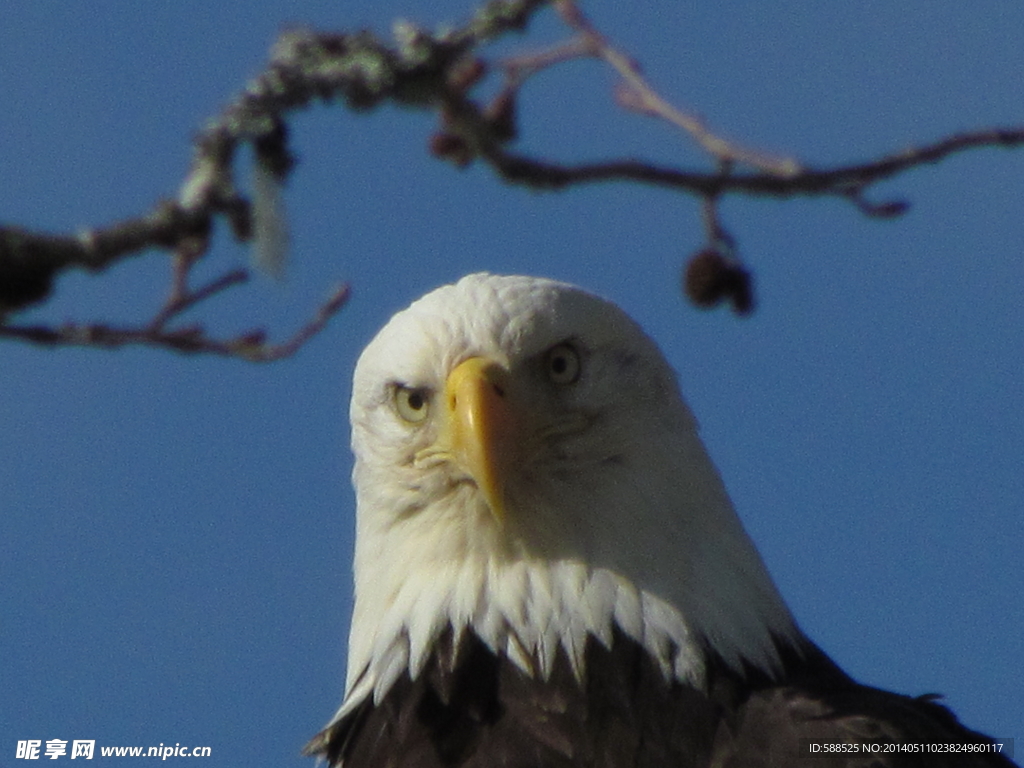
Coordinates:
<point>479,429</point>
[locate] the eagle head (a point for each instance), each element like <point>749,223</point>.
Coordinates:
<point>526,470</point>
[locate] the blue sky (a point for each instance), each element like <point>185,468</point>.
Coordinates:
<point>176,533</point>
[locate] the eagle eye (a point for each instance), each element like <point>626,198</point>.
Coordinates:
<point>562,363</point>
<point>412,403</point>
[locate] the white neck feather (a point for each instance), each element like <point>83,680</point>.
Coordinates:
<point>525,611</point>
<point>693,581</point>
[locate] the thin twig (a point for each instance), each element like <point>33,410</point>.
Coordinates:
<point>182,299</point>
<point>327,310</point>
<point>836,181</point>
<point>190,339</point>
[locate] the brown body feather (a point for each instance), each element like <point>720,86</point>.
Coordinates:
<point>472,709</point>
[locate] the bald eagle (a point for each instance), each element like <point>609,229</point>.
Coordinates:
<point>549,572</point>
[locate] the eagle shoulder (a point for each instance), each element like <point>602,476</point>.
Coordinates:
<point>471,708</point>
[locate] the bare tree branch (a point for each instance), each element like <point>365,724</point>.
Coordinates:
<point>304,66</point>
<point>840,181</point>
<point>192,339</point>
<point>437,71</point>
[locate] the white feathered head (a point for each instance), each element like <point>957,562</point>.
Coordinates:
<point>527,470</point>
